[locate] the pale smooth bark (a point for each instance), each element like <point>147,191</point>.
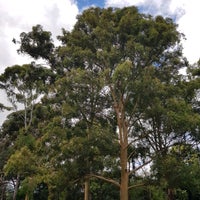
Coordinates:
<point>86,192</point>
<point>16,187</point>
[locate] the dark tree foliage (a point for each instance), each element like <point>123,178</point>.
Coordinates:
<point>37,43</point>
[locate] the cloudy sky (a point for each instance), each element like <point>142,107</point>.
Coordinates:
<point>20,15</point>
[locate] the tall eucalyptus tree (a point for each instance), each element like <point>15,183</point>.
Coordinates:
<point>122,45</point>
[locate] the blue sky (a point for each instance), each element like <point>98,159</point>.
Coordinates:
<point>20,15</point>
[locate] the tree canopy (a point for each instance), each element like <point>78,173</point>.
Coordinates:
<point>110,118</point>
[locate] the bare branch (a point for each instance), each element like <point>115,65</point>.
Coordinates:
<point>141,166</point>
<point>137,185</point>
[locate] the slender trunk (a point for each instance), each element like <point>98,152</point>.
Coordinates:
<point>3,191</point>
<point>170,194</point>
<point>86,192</point>
<point>25,115</point>
<point>124,174</point>
<point>26,197</point>
<point>123,129</point>
<point>87,181</point>
<point>119,108</point>
<point>2,187</point>
<point>16,187</point>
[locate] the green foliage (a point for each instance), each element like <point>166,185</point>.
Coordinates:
<point>102,190</point>
<point>21,162</point>
<point>37,43</point>
<point>24,84</point>
<point>2,107</point>
<point>148,193</point>
<point>179,170</point>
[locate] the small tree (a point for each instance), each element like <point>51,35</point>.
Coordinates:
<point>24,86</point>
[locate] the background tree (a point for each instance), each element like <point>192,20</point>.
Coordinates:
<point>169,120</point>
<point>23,85</point>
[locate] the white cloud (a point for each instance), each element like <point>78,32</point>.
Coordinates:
<point>189,25</point>
<point>154,7</point>
<point>123,3</point>
<point>19,16</point>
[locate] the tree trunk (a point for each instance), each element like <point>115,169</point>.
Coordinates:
<point>86,192</point>
<point>123,138</point>
<point>170,194</point>
<point>26,197</point>
<point>16,187</point>
<point>124,174</point>
<point>3,192</point>
<point>2,188</point>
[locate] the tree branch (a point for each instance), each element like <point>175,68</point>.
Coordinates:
<point>109,180</point>
<point>141,166</point>
<point>137,185</point>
